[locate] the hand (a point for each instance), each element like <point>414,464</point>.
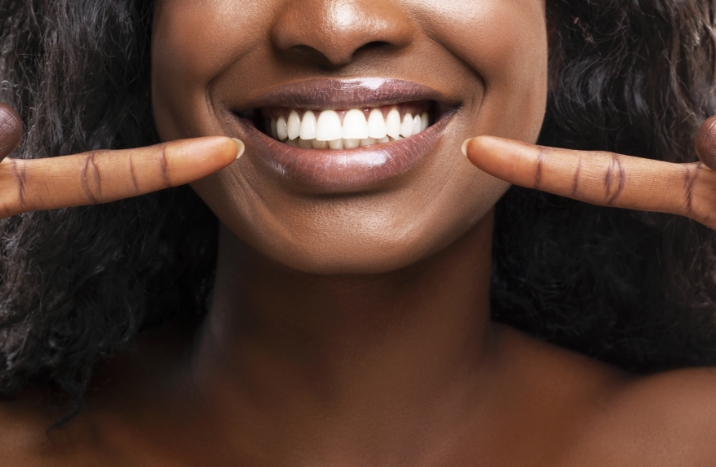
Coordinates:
<point>606,178</point>
<point>101,176</point>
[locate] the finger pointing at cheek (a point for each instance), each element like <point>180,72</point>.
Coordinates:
<point>103,176</point>
<point>601,178</point>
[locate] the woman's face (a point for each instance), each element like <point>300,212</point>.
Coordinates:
<point>252,69</point>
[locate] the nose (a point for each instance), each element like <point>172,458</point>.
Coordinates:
<point>334,32</point>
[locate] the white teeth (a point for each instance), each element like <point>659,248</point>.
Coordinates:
<point>392,123</point>
<point>281,129</point>
<point>327,131</point>
<point>351,143</point>
<point>416,125</point>
<point>328,127</point>
<point>376,124</point>
<point>406,128</point>
<point>355,125</point>
<point>308,126</point>
<point>293,126</point>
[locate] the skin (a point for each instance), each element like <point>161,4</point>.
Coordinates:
<point>355,329</point>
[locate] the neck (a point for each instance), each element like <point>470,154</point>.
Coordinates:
<point>346,346</point>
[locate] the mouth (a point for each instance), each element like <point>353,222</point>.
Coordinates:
<point>345,128</point>
<point>343,135</point>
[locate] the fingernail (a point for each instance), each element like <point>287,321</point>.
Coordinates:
<point>241,147</point>
<point>464,147</point>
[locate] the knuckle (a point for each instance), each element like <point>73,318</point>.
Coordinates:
<point>19,172</point>
<point>576,177</point>
<point>537,178</point>
<point>164,166</point>
<point>132,173</point>
<point>614,180</point>
<point>690,177</point>
<point>91,179</point>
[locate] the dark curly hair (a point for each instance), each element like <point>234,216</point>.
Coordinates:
<point>637,290</point>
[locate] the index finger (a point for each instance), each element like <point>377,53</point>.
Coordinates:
<point>601,178</point>
<point>103,176</point>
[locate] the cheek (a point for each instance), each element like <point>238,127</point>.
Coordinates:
<point>505,43</point>
<point>193,41</point>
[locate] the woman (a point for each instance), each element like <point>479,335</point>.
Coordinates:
<point>347,307</point>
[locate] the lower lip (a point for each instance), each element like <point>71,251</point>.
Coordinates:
<point>342,171</point>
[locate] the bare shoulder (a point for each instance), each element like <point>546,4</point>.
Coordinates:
<point>618,419</point>
<point>667,419</point>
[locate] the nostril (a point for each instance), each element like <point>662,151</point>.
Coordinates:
<point>305,54</point>
<point>374,45</point>
<point>304,50</point>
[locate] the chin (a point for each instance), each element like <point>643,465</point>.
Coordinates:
<point>325,243</point>
<point>342,258</point>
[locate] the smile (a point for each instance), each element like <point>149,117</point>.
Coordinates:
<point>347,129</point>
<point>343,135</point>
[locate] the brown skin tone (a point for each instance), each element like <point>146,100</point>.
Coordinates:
<point>355,330</point>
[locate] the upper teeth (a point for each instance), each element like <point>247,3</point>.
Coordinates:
<point>328,130</point>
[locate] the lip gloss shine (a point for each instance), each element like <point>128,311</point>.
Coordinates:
<point>341,170</point>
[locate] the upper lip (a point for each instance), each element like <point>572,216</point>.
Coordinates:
<point>340,94</point>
